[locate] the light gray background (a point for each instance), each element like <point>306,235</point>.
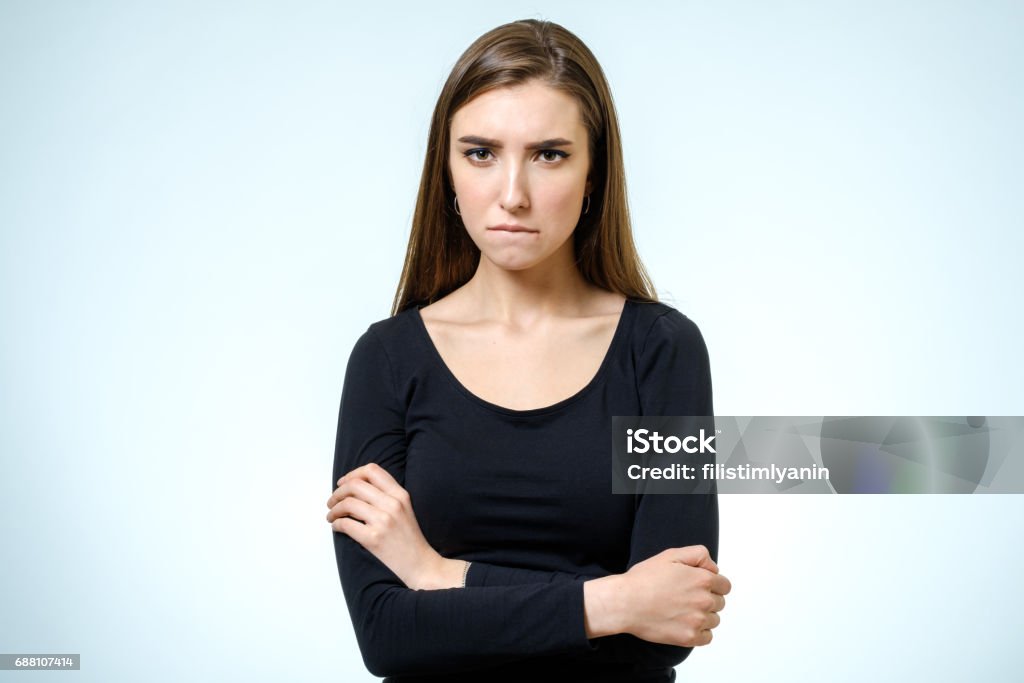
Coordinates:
<point>202,207</point>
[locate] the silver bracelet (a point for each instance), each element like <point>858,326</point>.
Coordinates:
<point>465,571</point>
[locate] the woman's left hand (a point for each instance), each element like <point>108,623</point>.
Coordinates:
<point>374,510</point>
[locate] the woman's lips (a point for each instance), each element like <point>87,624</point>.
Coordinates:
<point>511,228</point>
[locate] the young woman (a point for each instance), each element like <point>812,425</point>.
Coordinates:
<point>523,322</point>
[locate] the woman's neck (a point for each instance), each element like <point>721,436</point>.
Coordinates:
<point>520,297</point>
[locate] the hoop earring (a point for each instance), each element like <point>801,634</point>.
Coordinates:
<point>587,210</point>
<point>457,206</point>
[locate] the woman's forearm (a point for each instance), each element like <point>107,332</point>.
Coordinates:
<point>604,602</point>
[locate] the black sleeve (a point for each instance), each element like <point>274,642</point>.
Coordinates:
<point>673,378</point>
<point>487,574</point>
<point>403,631</point>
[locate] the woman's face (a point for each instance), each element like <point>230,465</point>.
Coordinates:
<point>519,157</point>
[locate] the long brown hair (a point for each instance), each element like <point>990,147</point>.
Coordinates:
<point>441,257</point>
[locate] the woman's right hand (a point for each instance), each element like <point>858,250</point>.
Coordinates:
<point>674,597</point>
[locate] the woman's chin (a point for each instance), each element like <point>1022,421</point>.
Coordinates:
<point>508,261</point>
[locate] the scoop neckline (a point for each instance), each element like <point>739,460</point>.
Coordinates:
<point>602,369</point>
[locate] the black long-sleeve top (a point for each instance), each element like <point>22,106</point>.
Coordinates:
<point>524,495</point>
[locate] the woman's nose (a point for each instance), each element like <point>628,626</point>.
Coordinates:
<point>514,194</point>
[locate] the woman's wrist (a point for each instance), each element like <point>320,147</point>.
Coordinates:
<point>606,606</point>
<point>441,572</point>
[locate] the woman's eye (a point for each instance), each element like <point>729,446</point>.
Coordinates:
<point>556,155</point>
<point>473,154</point>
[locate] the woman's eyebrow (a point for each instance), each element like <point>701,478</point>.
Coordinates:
<point>487,142</point>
